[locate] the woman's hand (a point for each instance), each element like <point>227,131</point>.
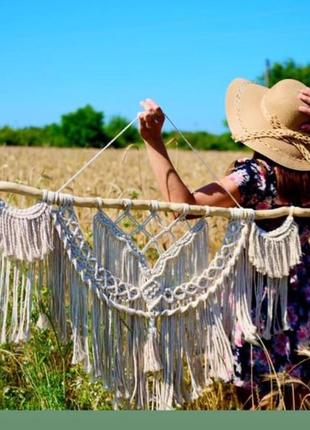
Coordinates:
<point>151,122</point>
<point>304,96</point>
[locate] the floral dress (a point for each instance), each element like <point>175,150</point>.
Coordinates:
<point>256,181</point>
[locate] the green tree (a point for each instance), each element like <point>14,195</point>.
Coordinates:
<point>115,125</point>
<point>30,136</point>
<point>287,70</point>
<point>53,136</point>
<point>83,128</point>
<point>8,136</point>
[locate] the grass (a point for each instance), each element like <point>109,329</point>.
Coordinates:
<point>38,375</point>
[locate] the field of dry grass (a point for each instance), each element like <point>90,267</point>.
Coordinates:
<point>116,174</point>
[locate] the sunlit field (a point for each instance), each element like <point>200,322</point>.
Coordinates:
<point>39,375</point>
<point>116,174</point>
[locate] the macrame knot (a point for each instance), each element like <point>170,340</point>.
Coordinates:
<point>239,214</point>
<point>127,203</point>
<point>152,361</point>
<point>207,211</point>
<point>185,209</point>
<point>248,214</point>
<point>64,199</point>
<point>99,201</point>
<point>56,198</point>
<point>154,206</point>
<point>49,197</point>
<point>292,211</point>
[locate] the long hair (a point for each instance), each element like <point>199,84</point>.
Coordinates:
<point>293,186</point>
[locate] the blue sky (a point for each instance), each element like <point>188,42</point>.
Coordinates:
<point>59,55</point>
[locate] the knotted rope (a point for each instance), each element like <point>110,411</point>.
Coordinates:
<point>276,133</point>
<point>299,140</point>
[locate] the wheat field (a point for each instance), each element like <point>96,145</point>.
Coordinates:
<point>116,174</point>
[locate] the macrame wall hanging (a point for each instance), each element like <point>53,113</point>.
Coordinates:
<point>155,335</point>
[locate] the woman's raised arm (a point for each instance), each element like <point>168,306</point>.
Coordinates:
<point>169,182</point>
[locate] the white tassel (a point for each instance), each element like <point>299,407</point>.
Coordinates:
<point>79,321</point>
<point>26,234</point>
<point>152,361</point>
<point>273,253</point>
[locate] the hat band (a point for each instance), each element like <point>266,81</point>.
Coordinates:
<point>299,140</point>
<point>275,133</point>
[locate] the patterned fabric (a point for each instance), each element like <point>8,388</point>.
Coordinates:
<point>256,181</point>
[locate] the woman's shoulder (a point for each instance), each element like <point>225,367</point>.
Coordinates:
<point>245,169</point>
<point>256,164</point>
<point>255,179</point>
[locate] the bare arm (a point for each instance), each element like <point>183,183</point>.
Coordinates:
<point>170,184</point>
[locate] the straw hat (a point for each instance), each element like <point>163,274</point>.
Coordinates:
<point>267,120</point>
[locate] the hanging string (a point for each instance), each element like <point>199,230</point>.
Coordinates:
<point>96,155</point>
<point>123,131</point>
<point>202,160</point>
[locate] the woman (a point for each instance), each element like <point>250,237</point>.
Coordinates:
<point>274,123</point>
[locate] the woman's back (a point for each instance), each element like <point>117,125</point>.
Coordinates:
<point>257,182</point>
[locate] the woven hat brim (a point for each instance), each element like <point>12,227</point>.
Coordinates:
<point>244,113</point>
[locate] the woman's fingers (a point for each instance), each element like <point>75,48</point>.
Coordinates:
<point>151,121</point>
<point>153,114</point>
<point>305,91</point>
<point>305,109</point>
<point>305,98</point>
<point>152,107</point>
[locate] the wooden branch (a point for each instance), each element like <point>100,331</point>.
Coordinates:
<point>95,202</point>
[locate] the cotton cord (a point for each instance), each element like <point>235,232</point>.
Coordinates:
<point>89,162</point>
<point>202,160</point>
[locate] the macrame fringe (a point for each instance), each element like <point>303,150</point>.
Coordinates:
<point>17,284</point>
<point>116,252</point>
<point>26,234</point>
<point>275,252</point>
<point>157,336</point>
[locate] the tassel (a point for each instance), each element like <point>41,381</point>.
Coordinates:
<point>26,234</point>
<point>275,252</point>
<point>79,321</point>
<point>152,361</point>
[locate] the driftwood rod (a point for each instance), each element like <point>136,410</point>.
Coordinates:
<point>93,202</point>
